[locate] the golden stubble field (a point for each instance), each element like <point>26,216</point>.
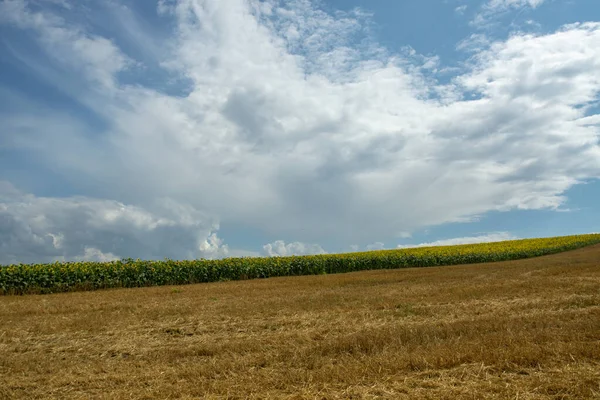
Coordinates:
<point>525,329</point>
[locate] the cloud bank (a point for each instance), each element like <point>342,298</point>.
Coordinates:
<point>488,238</point>
<point>37,229</point>
<point>279,248</point>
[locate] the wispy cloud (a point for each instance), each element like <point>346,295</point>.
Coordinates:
<point>494,8</point>
<point>474,43</point>
<point>461,9</point>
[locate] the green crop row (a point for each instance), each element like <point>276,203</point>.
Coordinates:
<point>73,276</point>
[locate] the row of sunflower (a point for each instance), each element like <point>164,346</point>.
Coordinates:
<point>72,276</point>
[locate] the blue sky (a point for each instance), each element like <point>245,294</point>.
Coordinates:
<point>190,128</point>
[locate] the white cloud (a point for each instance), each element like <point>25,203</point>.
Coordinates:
<point>94,56</point>
<point>507,4</point>
<point>460,9</point>
<point>289,127</point>
<point>591,120</point>
<point>93,254</point>
<point>376,246</point>
<point>492,237</point>
<point>280,248</point>
<point>39,229</point>
<point>493,8</point>
<point>475,43</point>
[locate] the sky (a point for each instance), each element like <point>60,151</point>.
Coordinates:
<point>190,129</point>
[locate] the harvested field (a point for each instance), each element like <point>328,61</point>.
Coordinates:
<point>527,329</point>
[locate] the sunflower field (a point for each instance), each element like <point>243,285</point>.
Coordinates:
<point>76,276</point>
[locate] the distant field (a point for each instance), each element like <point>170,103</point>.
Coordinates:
<point>527,329</point>
<point>76,276</point>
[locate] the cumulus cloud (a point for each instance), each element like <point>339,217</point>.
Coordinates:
<point>280,248</point>
<point>93,254</point>
<point>491,237</point>
<point>39,229</point>
<point>282,117</point>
